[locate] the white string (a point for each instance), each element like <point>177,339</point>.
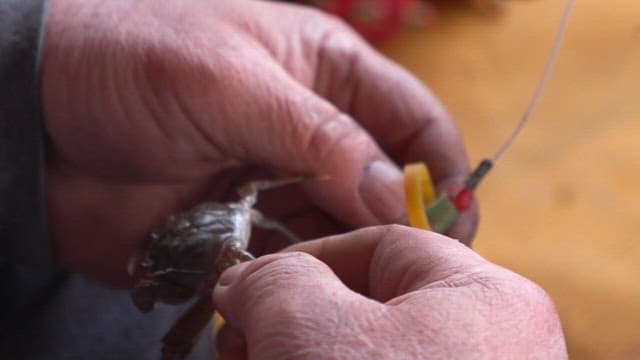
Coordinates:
<point>541,84</point>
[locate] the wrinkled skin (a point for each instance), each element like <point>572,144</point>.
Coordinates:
<point>388,292</point>
<point>154,106</point>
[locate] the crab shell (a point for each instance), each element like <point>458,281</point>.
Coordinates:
<point>183,257</point>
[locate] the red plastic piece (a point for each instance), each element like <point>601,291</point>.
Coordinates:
<point>462,201</point>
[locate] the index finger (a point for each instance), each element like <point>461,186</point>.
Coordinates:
<point>392,104</point>
<point>400,112</point>
<point>384,262</point>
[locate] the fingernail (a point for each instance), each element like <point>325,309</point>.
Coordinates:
<point>230,275</point>
<point>381,191</point>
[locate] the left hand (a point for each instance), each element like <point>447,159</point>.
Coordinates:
<point>153,106</point>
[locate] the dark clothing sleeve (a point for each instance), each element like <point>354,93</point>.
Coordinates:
<point>22,225</point>
<point>47,312</point>
<point>24,244</point>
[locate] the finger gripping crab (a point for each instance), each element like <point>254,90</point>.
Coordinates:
<point>183,258</point>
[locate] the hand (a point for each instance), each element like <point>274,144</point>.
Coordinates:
<point>154,106</point>
<point>388,292</point>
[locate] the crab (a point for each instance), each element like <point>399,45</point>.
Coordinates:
<point>183,258</point>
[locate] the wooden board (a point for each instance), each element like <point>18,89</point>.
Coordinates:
<point>563,207</point>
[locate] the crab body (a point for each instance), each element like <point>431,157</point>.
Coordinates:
<point>183,258</point>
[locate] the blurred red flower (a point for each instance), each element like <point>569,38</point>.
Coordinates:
<point>379,20</point>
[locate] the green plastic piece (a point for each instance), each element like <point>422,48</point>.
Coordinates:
<point>442,214</point>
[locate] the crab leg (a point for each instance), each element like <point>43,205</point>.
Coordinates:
<point>260,221</point>
<point>249,191</point>
<point>179,341</point>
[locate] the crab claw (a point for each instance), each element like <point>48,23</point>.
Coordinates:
<point>144,297</point>
<point>131,266</point>
<point>138,263</point>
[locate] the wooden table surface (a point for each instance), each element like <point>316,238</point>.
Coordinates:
<point>563,207</point>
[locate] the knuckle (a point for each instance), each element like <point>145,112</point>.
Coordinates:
<point>280,285</point>
<point>516,292</point>
<point>393,234</point>
<point>271,266</point>
<point>336,47</point>
<point>337,43</point>
<point>339,52</point>
<point>263,284</point>
<point>335,132</point>
<point>319,21</point>
<point>535,297</point>
<point>282,271</point>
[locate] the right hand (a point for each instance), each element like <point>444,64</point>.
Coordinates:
<point>388,292</point>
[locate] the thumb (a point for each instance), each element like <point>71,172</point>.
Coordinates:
<point>286,291</point>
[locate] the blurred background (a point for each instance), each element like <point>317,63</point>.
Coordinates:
<point>563,206</point>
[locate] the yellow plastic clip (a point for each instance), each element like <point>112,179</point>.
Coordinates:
<point>418,191</point>
<point>218,322</point>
